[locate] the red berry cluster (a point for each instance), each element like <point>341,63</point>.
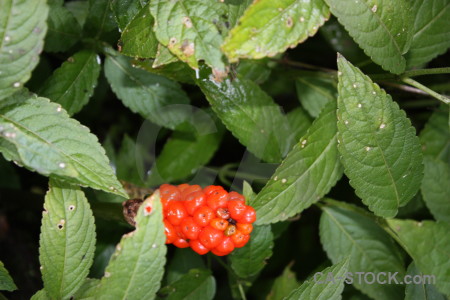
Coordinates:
<point>209,219</point>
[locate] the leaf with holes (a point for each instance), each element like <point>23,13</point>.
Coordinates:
<point>63,29</point>
<point>381,28</point>
<point>250,114</point>
<point>431,33</point>
<point>309,171</point>
<point>190,29</point>
<point>248,261</point>
<point>6,282</point>
<point>67,240</point>
<point>137,266</point>
<point>195,284</point>
<point>136,22</point>
<point>21,41</point>
<point>40,135</point>
<point>436,188</point>
<point>380,150</point>
<point>72,84</point>
<point>154,97</point>
<point>312,289</point>
<point>347,232</point>
<point>269,27</point>
<point>428,243</point>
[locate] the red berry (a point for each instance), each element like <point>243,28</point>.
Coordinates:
<point>231,229</point>
<point>190,229</point>
<point>217,199</point>
<point>249,215</point>
<point>244,228</point>
<point>223,213</point>
<point>226,245</point>
<point>179,232</point>
<point>198,247</point>
<point>169,193</point>
<point>171,234</point>
<point>219,253</point>
<point>181,243</point>
<point>239,239</point>
<point>193,201</point>
<point>210,237</point>
<point>212,188</point>
<point>190,189</point>
<point>183,186</point>
<point>175,212</point>
<point>219,224</point>
<point>236,209</point>
<point>236,196</point>
<point>203,215</point>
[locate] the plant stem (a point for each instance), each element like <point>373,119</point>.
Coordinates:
<point>432,93</point>
<point>241,291</point>
<point>302,65</point>
<point>420,72</point>
<point>403,87</point>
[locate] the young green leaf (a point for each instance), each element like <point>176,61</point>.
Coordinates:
<point>431,33</point>
<point>136,22</point>
<point>428,243</point>
<point>67,240</point>
<point>381,153</point>
<point>436,188</point>
<point>248,261</point>
<point>72,84</point>
<point>184,153</point>
<point>315,92</point>
<point>63,29</point>
<point>163,57</point>
<point>196,284</point>
<point>421,291</point>
<point>344,232</point>
<point>6,282</point>
<point>435,136</point>
<point>283,285</point>
<point>189,29</point>
<point>21,41</point>
<point>146,93</point>
<point>40,295</point>
<point>40,135</point>
<point>137,266</point>
<point>269,27</point>
<point>309,171</point>
<point>318,288</point>
<point>250,114</point>
<point>382,29</point>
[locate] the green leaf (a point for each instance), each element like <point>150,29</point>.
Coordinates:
<point>184,153</point>
<point>41,136</point>
<point>308,173</point>
<point>88,289</point>
<point>428,243</point>
<point>283,285</point>
<point>163,57</point>
<point>181,263</point>
<point>137,266</point>
<point>67,240</point>
<point>431,33</point>
<point>250,114</point>
<point>236,9</point>
<point>6,282</point>
<point>249,260</point>
<point>435,136</point>
<point>72,84</point>
<point>197,284</point>
<point>312,289</point>
<point>79,9</point>
<point>63,29</point>
<point>344,232</point>
<point>40,295</point>
<point>269,27</point>
<point>422,291</point>
<point>381,153</point>
<point>100,19</point>
<point>189,29</point>
<point>436,188</point>
<point>145,93</point>
<point>129,163</point>
<point>299,122</point>
<point>177,70</point>
<point>381,28</point>
<point>315,92</point>
<point>256,70</point>
<point>21,41</point>
<point>136,22</point>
